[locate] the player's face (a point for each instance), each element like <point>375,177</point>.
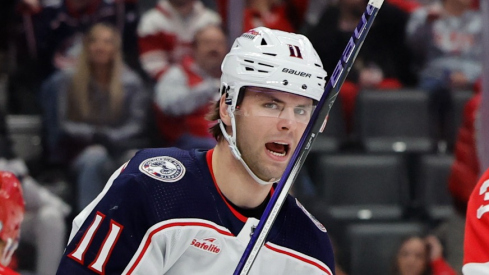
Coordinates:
<point>269,125</point>
<point>101,46</point>
<point>412,257</point>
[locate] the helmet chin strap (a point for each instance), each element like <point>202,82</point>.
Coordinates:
<point>234,148</point>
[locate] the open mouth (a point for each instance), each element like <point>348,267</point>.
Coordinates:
<point>278,149</point>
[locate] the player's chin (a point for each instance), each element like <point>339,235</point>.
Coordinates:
<point>278,171</point>
<point>271,173</point>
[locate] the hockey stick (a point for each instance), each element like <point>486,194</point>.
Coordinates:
<point>314,127</point>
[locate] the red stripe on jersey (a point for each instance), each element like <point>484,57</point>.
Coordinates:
<point>209,163</point>
<point>234,211</point>
<point>166,226</point>
<point>165,41</point>
<point>193,78</point>
<point>300,258</point>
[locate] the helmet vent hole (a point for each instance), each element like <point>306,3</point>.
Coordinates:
<point>249,61</point>
<point>317,65</point>
<point>267,65</point>
<point>262,71</point>
<point>272,54</point>
<point>263,42</point>
<point>250,69</point>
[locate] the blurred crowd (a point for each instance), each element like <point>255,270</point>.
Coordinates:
<point>108,77</point>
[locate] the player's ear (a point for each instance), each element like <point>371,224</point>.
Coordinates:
<point>223,111</point>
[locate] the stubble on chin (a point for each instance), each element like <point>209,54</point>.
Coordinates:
<point>265,171</point>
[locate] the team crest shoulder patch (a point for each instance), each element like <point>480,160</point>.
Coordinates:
<point>163,168</point>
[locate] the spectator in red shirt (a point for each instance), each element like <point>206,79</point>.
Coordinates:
<point>267,13</point>
<point>421,256</point>
<point>166,32</point>
<point>183,94</point>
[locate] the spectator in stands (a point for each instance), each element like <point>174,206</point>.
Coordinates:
<point>421,256</point>
<point>412,5</point>
<point>445,38</point>
<point>407,5</point>
<point>183,93</point>
<point>6,14</point>
<point>383,58</point>
<point>383,62</point>
<point>96,113</point>
<point>285,15</point>
<point>67,21</point>
<point>44,221</point>
<point>166,33</point>
<point>50,39</point>
<point>269,13</point>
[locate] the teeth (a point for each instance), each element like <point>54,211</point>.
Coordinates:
<point>281,143</point>
<point>277,154</point>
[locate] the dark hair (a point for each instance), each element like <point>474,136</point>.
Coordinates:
<point>214,115</point>
<point>395,264</point>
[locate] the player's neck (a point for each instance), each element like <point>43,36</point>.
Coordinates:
<point>234,181</point>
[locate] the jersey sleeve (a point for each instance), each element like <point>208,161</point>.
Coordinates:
<point>476,254</point>
<point>109,231</point>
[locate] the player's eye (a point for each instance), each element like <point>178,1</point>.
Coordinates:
<point>271,105</point>
<point>300,111</point>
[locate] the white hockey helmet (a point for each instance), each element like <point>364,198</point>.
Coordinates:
<point>271,59</point>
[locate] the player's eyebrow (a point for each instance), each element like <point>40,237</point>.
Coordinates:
<point>267,95</point>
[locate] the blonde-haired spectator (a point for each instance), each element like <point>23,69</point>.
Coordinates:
<point>95,113</point>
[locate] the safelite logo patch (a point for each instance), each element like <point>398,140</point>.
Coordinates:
<point>163,168</point>
<point>207,244</point>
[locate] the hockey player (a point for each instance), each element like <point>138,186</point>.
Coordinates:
<point>11,216</point>
<point>476,243</point>
<point>169,211</point>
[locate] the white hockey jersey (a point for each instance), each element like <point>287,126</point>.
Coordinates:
<point>164,214</point>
